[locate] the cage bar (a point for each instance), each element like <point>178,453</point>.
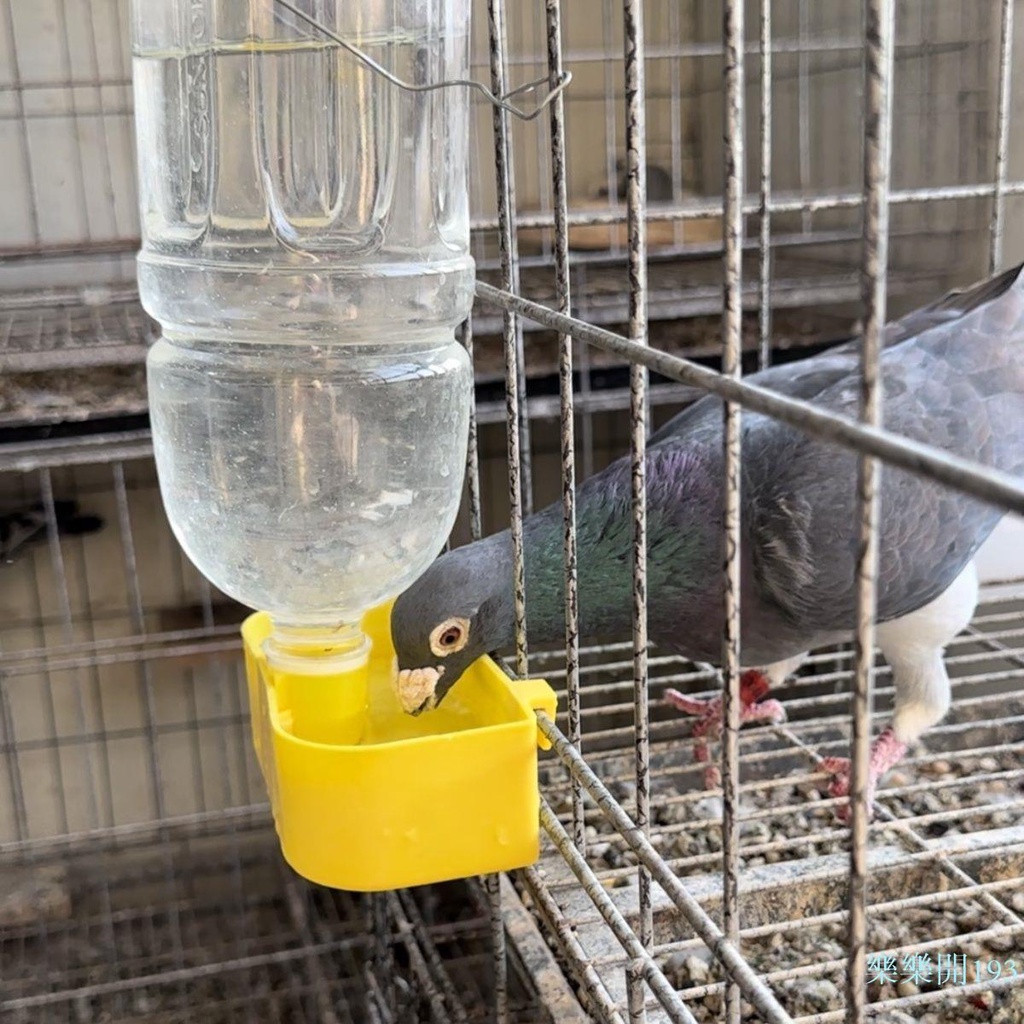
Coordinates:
<point>636,205</point>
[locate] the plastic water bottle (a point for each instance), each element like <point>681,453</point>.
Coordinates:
<point>305,249</point>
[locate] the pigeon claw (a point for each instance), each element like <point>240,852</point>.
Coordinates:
<point>839,785</point>
<point>709,713</point>
<point>886,751</point>
<point>691,705</point>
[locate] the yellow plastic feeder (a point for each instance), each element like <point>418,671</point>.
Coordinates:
<point>367,798</point>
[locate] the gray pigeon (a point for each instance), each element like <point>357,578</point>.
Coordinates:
<point>953,376</point>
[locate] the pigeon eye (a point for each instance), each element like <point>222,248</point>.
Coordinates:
<point>450,637</point>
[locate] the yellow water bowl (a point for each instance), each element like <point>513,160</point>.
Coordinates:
<point>368,798</point>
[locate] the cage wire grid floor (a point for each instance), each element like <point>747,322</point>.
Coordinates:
<point>152,926</point>
<point>946,847</point>
<point>214,928</point>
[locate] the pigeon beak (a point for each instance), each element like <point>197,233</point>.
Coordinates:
<point>416,689</point>
<point>428,705</point>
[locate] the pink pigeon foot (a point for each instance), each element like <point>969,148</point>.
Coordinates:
<point>886,751</point>
<point>753,686</point>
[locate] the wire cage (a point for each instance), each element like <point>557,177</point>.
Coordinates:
<point>627,260</point>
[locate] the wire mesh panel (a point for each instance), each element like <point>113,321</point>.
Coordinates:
<point>200,929</point>
<point>623,975</point>
<point>944,852</point>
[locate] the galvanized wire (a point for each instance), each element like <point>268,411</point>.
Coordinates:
<point>636,206</point>
<point>499,952</point>
<point>566,410</point>
<point>732,366</point>
<point>764,294</point>
<point>878,50</point>
<point>518,431</point>
<point>1003,112</point>
<point>500,99</point>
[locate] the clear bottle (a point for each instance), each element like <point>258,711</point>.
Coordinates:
<point>305,249</point>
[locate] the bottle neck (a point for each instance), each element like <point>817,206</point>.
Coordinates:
<point>317,649</point>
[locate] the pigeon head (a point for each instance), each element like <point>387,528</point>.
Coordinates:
<point>458,610</point>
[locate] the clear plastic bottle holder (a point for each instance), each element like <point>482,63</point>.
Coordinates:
<point>309,407</point>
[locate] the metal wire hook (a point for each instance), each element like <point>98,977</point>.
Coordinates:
<point>559,85</point>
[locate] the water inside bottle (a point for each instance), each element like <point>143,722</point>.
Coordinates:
<point>291,160</point>
<point>306,237</point>
<point>321,488</point>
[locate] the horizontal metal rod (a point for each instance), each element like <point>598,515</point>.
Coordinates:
<point>832,967</point>
<point>738,969</point>
<point>69,250</point>
<point>541,407</point>
<point>779,202</point>
<point>989,485</point>
<point>185,826</point>
<point>43,655</point>
<point>713,48</point>
<point>792,779</point>
<point>97,449</point>
<point>689,209</point>
<point>764,931</point>
<point>87,738</point>
<point>203,649</point>
<point>182,974</point>
<point>776,927</point>
<point>906,861</point>
<point>698,823</point>
<point>839,871</point>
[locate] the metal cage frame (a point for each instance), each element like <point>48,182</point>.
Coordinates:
<point>645,979</point>
<point>120,329</point>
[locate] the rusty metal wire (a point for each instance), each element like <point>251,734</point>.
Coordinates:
<point>519,480</point>
<point>566,407</point>
<point>879,28</point>
<point>636,269</point>
<point>732,337</point>
<point>764,322</point>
